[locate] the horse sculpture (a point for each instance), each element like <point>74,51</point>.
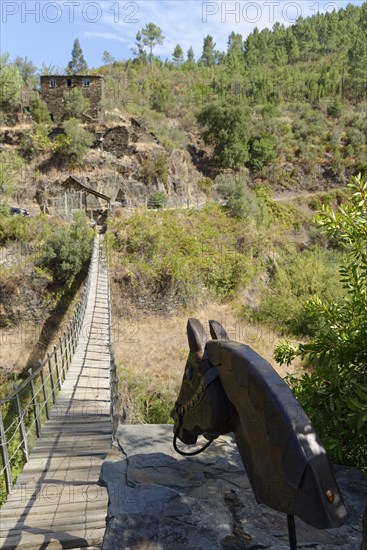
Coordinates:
<point>226,388</point>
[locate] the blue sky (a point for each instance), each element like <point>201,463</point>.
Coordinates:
<point>44,31</point>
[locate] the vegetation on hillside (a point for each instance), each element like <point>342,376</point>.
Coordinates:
<point>284,108</point>
<point>288,102</point>
<point>334,393</point>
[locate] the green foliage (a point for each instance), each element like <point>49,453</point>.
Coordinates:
<point>73,145</point>
<point>36,141</point>
<point>183,253</point>
<point>39,111</point>
<point>107,58</point>
<point>241,202</point>
<point>68,249</point>
<point>152,37</point>
<point>334,394</point>
<point>263,150</point>
<point>157,410</point>
<point>208,55</point>
<point>77,64</point>
<point>75,104</point>
<point>178,55</point>
<point>10,168</point>
<point>158,199</point>
<point>10,84</point>
<point>205,185</point>
<point>227,129</point>
<point>155,169</point>
<point>27,71</point>
<point>292,283</point>
<point>190,55</point>
<point>335,398</point>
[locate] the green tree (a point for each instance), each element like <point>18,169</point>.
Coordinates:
<point>77,63</point>
<point>36,140</point>
<point>68,250</point>
<point>27,71</point>
<point>178,55</point>
<point>139,51</point>
<point>74,143</point>
<point>190,55</point>
<point>75,104</point>
<point>39,110</point>
<point>235,52</point>
<point>357,68</point>
<point>10,84</point>
<point>227,128</point>
<point>11,165</point>
<point>263,150</point>
<point>240,201</point>
<point>152,37</point>
<point>208,55</point>
<point>107,58</point>
<point>334,393</point>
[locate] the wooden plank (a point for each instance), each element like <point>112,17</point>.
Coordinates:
<point>56,501</point>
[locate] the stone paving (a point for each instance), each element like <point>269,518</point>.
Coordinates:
<point>160,500</point>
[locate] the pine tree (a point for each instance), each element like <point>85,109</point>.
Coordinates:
<point>190,55</point>
<point>178,55</point>
<point>77,63</point>
<point>208,56</point>
<point>107,58</point>
<point>138,51</point>
<point>152,36</point>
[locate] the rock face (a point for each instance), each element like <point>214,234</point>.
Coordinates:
<point>161,500</point>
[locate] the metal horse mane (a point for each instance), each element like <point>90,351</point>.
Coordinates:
<point>226,388</point>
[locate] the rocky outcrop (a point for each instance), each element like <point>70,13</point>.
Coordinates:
<point>159,499</point>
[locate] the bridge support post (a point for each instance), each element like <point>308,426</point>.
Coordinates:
<point>62,355</point>
<point>35,404</point>
<point>5,457</point>
<point>57,367</point>
<point>45,395</point>
<point>23,433</point>
<point>51,378</point>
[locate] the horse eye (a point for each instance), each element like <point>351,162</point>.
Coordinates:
<point>188,373</point>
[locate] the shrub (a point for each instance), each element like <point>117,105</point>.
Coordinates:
<point>158,199</point>
<point>294,282</point>
<point>36,141</point>
<point>227,128</point>
<point>68,250</point>
<point>73,145</point>
<point>155,169</point>
<point>205,184</point>
<point>241,202</point>
<point>10,168</point>
<point>334,393</point>
<point>39,111</point>
<point>75,104</point>
<point>263,150</point>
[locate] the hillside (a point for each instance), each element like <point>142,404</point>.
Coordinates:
<point>286,107</point>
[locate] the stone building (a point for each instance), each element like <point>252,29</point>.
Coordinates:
<point>53,88</point>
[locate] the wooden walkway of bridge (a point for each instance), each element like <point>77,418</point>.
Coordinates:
<point>57,502</point>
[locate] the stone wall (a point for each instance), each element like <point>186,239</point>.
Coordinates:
<point>53,88</point>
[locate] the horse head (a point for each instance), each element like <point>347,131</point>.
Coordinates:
<point>228,387</point>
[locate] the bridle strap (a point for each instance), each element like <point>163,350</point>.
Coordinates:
<point>192,453</point>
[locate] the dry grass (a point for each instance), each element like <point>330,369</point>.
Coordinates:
<point>151,352</point>
<point>16,346</point>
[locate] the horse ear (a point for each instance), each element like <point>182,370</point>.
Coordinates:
<point>196,335</point>
<point>217,331</point>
